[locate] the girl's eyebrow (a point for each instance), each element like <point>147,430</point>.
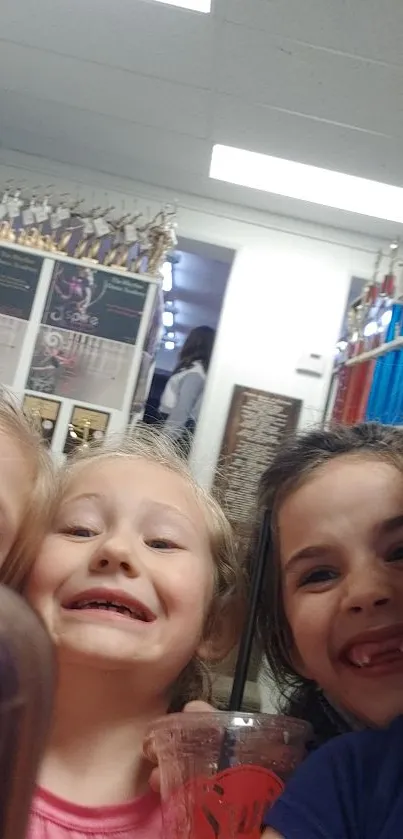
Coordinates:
<point>314,551</point>
<point>392,524</point>
<point>84,496</point>
<point>157,505</point>
<point>311,552</point>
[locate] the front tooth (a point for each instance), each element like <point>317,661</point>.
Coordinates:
<point>364,661</point>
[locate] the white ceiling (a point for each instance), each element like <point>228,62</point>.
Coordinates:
<point>142,90</point>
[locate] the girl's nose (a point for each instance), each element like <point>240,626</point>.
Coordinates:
<point>368,589</point>
<point>114,556</point>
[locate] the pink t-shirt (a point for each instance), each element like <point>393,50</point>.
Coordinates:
<point>53,818</point>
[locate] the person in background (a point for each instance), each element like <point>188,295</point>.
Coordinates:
<point>181,400</point>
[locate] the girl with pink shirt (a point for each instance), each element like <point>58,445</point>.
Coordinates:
<point>138,585</point>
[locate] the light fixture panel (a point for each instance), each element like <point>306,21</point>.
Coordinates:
<point>307,183</point>
<point>193,5</point>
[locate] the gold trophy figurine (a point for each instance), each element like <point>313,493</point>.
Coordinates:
<point>112,257</point>
<point>143,246</point>
<point>101,229</point>
<point>34,238</point>
<point>162,235</point>
<point>64,241</point>
<point>6,232</point>
<point>87,234</point>
<point>48,243</point>
<point>129,236</point>
<point>21,236</point>
<point>37,420</point>
<point>86,434</point>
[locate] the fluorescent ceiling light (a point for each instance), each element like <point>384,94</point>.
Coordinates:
<point>167,319</point>
<point>166,272</point>
<point>307,183</point>
<point>193,5</point>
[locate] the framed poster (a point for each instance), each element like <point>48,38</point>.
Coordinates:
<point>257,424</point>
<point>78,366</point>
<point>86,342</point>
<point>19,276</point>
<point>85,425</point>
<point>99,303</point>
<point>45,413</point>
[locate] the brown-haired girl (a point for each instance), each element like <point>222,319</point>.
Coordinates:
<point>331,610</point>
<point>143,591</point>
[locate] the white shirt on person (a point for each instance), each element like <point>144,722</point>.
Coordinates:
<point>182,397</point>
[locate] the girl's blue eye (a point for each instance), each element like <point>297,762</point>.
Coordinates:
<point>162,544</point>
<point>80,532</point>
<point>318,576</point>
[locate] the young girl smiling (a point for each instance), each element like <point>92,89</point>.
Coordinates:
<point>331,610</point>
<point>137,583</point>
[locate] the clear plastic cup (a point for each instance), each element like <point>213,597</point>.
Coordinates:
<point>220,771</point>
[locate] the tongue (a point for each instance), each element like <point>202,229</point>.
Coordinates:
<point>376,650</point>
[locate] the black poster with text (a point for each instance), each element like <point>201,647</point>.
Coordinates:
<point>97,303</point>
<point>19,275</point>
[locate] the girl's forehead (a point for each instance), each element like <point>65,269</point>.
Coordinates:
<point>132,478</point>
<point>122,467</point>
<point>341,495</point>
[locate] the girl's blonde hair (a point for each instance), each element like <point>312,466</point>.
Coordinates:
<point>23,431</point>
<point>226,608</point>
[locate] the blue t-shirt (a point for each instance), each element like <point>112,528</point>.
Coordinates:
<point>351,788</point>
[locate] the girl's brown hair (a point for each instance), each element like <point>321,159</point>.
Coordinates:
<point>39,495</point>
<point>295,464</point>
<point>225,611</point>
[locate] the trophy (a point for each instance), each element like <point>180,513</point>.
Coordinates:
<point>162,236</point>
<point>36,222</point>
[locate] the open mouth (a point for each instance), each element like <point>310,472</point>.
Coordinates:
<point>128,608</point>
<point>375,653</point>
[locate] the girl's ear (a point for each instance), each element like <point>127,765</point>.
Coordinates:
<point>222,635</point>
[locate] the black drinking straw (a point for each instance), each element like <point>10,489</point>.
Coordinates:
<point>245,647</point>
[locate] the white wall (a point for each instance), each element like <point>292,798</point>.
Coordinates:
<point>274,311</point>
<point>286,293</point>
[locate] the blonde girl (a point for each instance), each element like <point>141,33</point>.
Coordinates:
<point>138,585</point>
<point>26,491</point>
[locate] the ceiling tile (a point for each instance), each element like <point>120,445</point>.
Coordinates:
<point>365,28</point>
<point>99,89</point>
<point>314,82</point>
<point>151,39</point>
